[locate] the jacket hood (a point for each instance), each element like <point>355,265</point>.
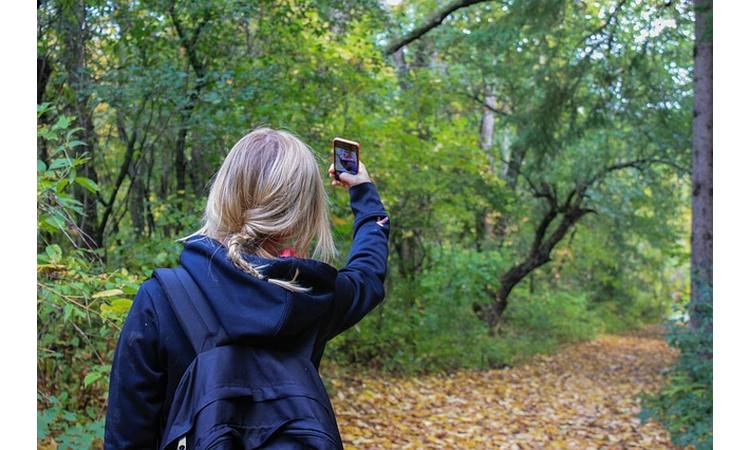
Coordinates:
<point>254,310</point>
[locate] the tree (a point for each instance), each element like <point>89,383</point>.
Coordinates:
<point>577,86</point>
<point>701,261</point>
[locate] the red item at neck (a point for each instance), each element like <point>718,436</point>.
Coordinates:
<point>287,252</point>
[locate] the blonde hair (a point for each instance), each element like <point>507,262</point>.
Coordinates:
<point>269,193</point>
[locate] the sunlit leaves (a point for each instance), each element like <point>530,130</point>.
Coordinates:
<point>108,293</point>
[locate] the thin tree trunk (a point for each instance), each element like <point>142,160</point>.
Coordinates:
<point>401,68</point>
<point>43,73</point>
<point>180,163</point>
<point>487,127</point>
<point>701,261</point>
<point>150,219</point>
<point>486,140</point>
<point>76,35</point>
<point>137,197</point>
<point>199,170</point>
<point>188,44</point>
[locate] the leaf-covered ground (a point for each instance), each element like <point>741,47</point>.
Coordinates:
<point>585,396</point>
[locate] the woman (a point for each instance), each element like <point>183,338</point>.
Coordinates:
<point>267,209</point>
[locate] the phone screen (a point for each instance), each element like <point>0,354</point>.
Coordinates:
<point>345,158</point>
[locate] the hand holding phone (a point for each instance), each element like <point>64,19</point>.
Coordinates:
<point>348,180</point>
<point>347,170</point>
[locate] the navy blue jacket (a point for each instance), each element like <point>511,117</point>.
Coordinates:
<point>153,351</point>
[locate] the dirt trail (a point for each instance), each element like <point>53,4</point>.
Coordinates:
<point>584,397</point>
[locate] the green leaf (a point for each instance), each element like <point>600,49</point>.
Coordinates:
<point>61,185</point>
<point>59,163</point>
<point>107,293</point>
<point>75,143</point>
<point>87,183</point>
<point>62,123</point>
<point>43,108</point>
<point>91,378</point>
<point>54,252</point>
<point>52,222</point>
<point>119,306</point>
<point>67,310</point>
<point>40,166</point>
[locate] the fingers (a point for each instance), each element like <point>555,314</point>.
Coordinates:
<point>332,176</point>
<point>347,178</point>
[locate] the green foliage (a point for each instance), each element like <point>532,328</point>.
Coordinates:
<point>80,305</point>
<point>579,86</point>
<point>429,325</point>
<point>432,326</point>
<point>685,404</point>
<point>56,205</point>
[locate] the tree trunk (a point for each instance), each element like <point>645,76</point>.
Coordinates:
<point>401,68</point>
<point>198,167</point>
<point>539,254</point>
<point>74,60</point>
<point>43,72</point>
<point>188,44</point>
<point>487,127</point>
<point>701,261</point>
<point>180,163</point>
<point>486,140</point>
<point>164,177</point>
<point>137,197</point>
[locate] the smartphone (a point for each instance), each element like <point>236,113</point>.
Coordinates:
<point>345,156</point>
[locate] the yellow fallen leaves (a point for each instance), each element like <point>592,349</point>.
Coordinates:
<point>584,397</point>
<point>46,444</point>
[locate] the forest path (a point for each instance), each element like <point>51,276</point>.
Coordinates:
<point>583,397</point>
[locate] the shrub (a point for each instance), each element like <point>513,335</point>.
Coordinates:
<point>542,322</point>
<point>428,324</point>
<point>685,404</point>
<point>80,305</point>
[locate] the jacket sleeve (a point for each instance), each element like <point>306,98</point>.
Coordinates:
<point>137,382</point>
<point>359,285</point>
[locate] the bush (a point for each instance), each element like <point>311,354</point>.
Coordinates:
<point>685,404</point>
<point>80,306</point>
<point>543,322</point>
<point>428,324</point>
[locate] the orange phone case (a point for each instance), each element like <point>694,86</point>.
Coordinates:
<point>345,141</point>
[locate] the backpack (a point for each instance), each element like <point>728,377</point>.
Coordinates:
<point>239,396</point>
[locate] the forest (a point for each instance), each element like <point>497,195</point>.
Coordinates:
<point>544,164</point>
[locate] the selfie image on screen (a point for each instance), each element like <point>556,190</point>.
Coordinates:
<point>346,160</point>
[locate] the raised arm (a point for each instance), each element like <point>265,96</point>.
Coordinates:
<point>359,285</point>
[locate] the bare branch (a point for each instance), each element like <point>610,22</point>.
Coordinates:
<point>639,164</point>
<point>189,42</point>
<point>432,22</point>
<point>503,110</point>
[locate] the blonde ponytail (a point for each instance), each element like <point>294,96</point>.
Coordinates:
<point>269,193</point>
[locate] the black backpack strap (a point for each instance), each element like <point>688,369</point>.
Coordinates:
<point>196,317</point>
